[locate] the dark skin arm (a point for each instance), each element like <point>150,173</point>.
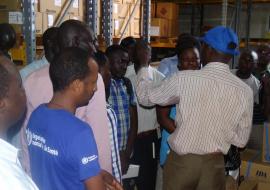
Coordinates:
<point>125,155</point>
<point>164,120</point>
<point>104,181</point>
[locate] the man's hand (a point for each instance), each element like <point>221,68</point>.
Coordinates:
<point>110,182</point>
<point>124,162</point>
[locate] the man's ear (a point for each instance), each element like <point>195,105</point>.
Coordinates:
<point>76,86</point>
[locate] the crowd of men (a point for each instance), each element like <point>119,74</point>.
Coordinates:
<point>80,116</point>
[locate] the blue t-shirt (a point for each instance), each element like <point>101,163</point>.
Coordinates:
<point>164,147</point>
<point>62,148</point>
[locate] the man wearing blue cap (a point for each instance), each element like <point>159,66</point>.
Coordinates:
<point>213,111</point>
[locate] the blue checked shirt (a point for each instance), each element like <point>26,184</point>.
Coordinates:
<point>116,163</point>
<point>121,101</point>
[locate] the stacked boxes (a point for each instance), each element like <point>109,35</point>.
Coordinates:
<point>165,14</point>
<point>11,12</point>
<point>50,10</point>
<point>122,11</point>
<point>255,164</point>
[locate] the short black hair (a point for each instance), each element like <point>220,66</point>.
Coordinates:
<point>128,41</point>
<point>68,30</point>
<point>101,59</point>
<point>70,65</point>
<point>50,43</point>
<point>7,36</point>
<point>113,49</point>
<point>186,41</point>
<point>5,79</point>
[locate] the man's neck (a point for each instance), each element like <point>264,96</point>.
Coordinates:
<point>62,101</point>
<point>242,75</point>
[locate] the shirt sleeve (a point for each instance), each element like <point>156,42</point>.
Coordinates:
<point>243,129</point>
<point>149,94</point>
<point>133,100</point>
<point>84,155</point>
<point>173,113</point>
<point>163,68</point>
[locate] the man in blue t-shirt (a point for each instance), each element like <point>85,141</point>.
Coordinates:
<point>63,152</point>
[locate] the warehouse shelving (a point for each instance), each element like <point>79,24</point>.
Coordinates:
<point>107,26</point>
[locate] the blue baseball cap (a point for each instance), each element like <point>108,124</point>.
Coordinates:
<point>222,39</point>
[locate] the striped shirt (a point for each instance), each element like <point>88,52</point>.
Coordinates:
<point>214,108</point>
<point>121,101</point>
<point>116,164</point>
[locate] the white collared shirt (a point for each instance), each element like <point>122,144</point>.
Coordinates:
<point>213,108</point>
<point>12,175</point>
<point>147,118</point>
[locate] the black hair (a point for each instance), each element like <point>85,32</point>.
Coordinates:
<point>111,50</point>
<point>50,43</point>
<point>142,44</point>
<point>70,65</point>
<point>69,30</point>
<point>128,41</point>
<point>186,41</point>
<point>7,37</point>
<point>5,78</point>
<point>101,59</point>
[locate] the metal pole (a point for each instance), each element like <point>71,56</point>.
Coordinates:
<point>224,12</point>
<point>192,19</point>
<point>129,19</point>
<point>92,15</point>
<point>146,19</point>
<point>249,7</point>
<point>107,21</point>
<point>29,30</point>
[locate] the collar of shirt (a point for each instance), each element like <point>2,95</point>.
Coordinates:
<point>8,151</point>
<point>217,66</point>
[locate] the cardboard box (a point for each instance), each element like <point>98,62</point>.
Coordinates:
<point>15,18</point>
<point>48,20</point>
<point>120,11</point>
<point>135,28</point>
<point>50,6</point>
<point>263,186</point>
<point>74,9</point>
<point>167,10</point>
<point>137,11</point>
<point>159,27</point>
<point>10,5</point>
<point>153,10</point>
<point>248,185</point>
<point>129,1</point>
<point>36,5</point>
<point>266,143</point>
<point>253,168</point>
<point>118,1</point>
<point>39,23</point>
<point>254,185</point>
<point>76,17</point>
<point>118,25</point>
<point>173,28</point>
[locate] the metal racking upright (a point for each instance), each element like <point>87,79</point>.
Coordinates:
<point>91,19</point>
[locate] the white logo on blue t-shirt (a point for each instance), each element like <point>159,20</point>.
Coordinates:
<point>85,160</point>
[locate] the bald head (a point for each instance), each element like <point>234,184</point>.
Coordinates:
<point>74,33</point>
<point>12,95</point>
<point>264,56</point>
